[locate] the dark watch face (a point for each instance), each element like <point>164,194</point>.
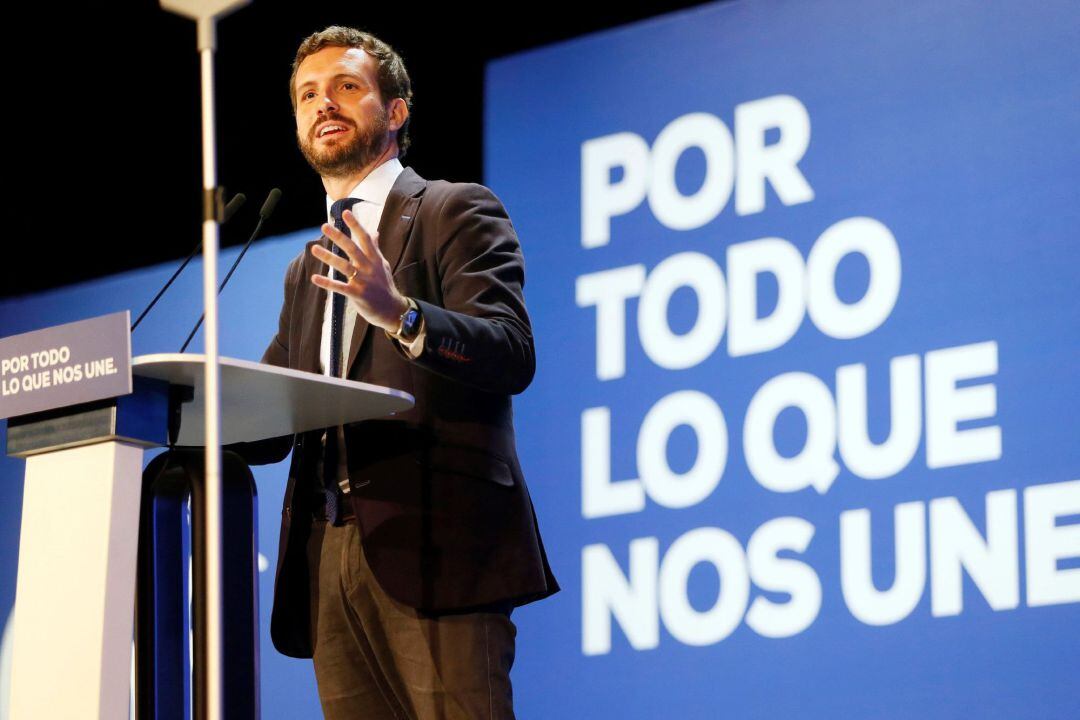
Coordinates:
<point>411,324</point>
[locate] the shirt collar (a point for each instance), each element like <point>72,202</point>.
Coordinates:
<point>376,186</point>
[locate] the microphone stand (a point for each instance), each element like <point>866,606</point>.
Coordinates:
<point>230,209</point>
<point>205,13</point>
<point>264,215</point>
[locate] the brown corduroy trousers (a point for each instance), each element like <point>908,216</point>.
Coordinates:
<point>376,658</point>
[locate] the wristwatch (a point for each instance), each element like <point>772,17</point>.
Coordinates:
<point>410,324</point>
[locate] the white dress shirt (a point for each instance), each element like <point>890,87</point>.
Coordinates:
<point>372,191</point>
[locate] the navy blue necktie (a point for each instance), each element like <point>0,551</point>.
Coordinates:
<point>337,322</point>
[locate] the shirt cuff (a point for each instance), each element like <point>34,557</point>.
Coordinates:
<point>414,347</point>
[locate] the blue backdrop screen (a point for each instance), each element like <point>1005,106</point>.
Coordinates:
<point>803,432</point>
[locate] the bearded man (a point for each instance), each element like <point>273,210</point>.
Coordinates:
<point>405,542</point>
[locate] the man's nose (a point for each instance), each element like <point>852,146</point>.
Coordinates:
<point>328,103</point>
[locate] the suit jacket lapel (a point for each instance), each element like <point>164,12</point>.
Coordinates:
<point>394,225</point>
<point>314,304</point>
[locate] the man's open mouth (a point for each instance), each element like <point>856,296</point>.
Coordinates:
<point>329,129</point>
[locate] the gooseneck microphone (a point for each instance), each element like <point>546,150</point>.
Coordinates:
<point>264,214</point>
<point>230,209</point>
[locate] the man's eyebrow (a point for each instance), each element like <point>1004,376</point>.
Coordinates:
<point>351,76</point>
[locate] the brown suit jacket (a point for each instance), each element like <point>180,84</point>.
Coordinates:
<point>445,516</point>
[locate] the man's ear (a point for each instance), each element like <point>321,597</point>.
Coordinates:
<point>398,113</point>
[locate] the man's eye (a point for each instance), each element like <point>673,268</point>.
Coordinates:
<point>308,95</point>
<point>349,86</point>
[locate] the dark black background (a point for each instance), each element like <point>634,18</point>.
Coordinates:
<point>104,127</point>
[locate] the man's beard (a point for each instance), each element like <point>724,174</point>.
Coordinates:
<point>367,143</point>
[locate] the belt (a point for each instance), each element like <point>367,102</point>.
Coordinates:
<point>345,508</point>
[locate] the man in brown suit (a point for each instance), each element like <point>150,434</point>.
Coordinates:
<point>405,542</point>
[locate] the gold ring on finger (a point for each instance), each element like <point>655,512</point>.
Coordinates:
<point>354,272</point>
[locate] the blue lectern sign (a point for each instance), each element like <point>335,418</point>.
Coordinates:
<point>65,365</point>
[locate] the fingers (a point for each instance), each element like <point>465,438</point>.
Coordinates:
<point>333,285</point>
<point>343,241</point>
<point>342,265</point>
<point>360,236</point>
<point>360,244</point>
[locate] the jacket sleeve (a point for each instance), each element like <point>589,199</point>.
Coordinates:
<point>481,336</point>
<point>273,450</point>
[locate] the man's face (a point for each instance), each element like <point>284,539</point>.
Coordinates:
<point>341,122</point>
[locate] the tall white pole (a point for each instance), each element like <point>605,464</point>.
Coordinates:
<point>213,395</point>
<point>205,13</point>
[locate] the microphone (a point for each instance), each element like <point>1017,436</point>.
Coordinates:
<point>270,205</point>
<point>231,207</point>
<point>230,210</point>
<point>264,214</point>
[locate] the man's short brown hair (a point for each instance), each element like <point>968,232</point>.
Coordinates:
<point>393,78</point>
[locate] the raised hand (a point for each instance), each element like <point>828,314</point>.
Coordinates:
<point>369,282</point>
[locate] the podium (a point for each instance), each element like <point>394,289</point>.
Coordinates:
<point>75,604</point>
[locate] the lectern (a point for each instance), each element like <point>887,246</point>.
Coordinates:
<point>75,598</point>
